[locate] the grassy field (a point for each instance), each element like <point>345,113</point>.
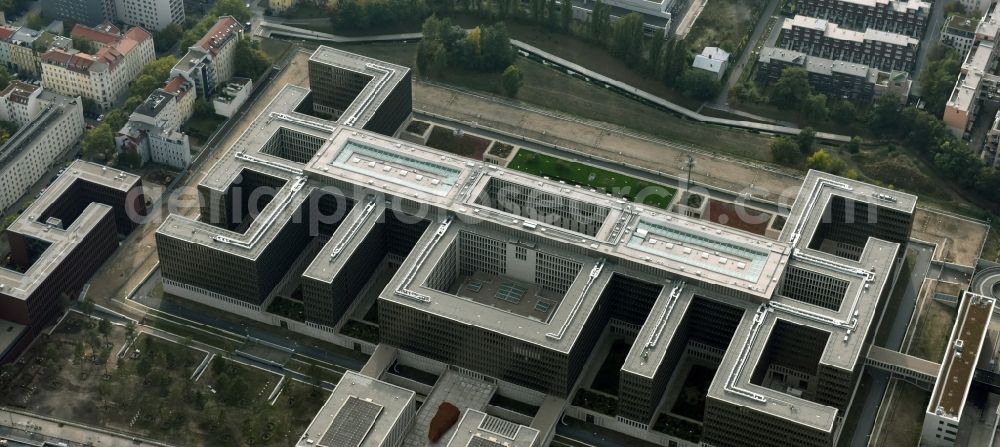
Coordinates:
<point>575,173</point>
<point>725,24</point>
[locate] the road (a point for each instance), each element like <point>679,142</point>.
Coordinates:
<point>740,64</point>
<point>986,280</point>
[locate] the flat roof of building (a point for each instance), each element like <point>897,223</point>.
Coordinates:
<point>964,346</point>
<point>478,429</point>
<point>22,285</point>
<point>384,78</point>
<point>361,412</point>
<point>834,31</point>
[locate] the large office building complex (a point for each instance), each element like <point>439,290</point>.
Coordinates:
<point>907,17</point>
<point>49,124</point>
<point>104,76</point>
<point>878,49</point>
<point>59,242</point>
<point>513,279</point>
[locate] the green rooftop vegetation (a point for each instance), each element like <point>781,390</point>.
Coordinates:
<point>575,173</point>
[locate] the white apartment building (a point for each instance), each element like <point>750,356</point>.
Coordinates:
<point>211,61</point>
<point>152,130</point>
<point>103,77</point>
<point>150,14</point>
<point>19,103</point>
<point>56,125</point>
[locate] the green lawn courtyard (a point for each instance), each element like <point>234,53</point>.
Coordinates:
<point>616,183</point>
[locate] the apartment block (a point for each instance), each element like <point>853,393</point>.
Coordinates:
<point>877,49</point>
<point>150,14</point>
<point>959,32</point>
<point>153,128</point>
<point>59,242</point>
<point>513,281</point>
<point>836,79</point>
<point>84,12</point>
<point>210,62</point>
<point>20,48</point>
<point>907,17</point>
<point>104,76</point>
<point>49,125</point>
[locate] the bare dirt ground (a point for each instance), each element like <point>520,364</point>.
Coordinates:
<point>606,141</point>
<point>958,240</point>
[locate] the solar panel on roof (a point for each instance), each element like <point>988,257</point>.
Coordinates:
<point>351,425</point>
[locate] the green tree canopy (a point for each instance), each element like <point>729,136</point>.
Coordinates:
<point>99,143</point>
<point>236,8</point>
<point>792,88</point>
<point>627,37</point>
<point>805,139</point>
<point>785,151</point>
<point>166,38</point>
<point>4,78</point>
<point>250,61</point>
<point>699,84</point>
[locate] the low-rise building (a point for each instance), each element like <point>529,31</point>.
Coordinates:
<point>55,124</point>
<point>714,60</point>
<point>232,96</point>
<point>362,412</point>
<point>907,17</point>
<point>959,32</point>
<point>878,49</point>
<point>211,61</point>
<point>104,76</point>
<point>20,103</point>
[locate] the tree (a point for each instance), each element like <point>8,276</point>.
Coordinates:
<point>785,151</point>
<point>699,84</point>
<point>34,20</point>
<point>235,8</point>
<point>791,88</point>
<point>511,80</point>
<point>883,116</point>
<point>843,112</point>
<point>143,85</point>
<point>104,327</point>
<point>129,159</point>
<point>814,108</point>
<point>4,78</point>
<point>348,15</point>
<point>203,108</point>
<point>250,61</point>
<point>805,139</point>
<point>99,143</point>
<point>166,38</point>
<point>565,15</point>
<point>600,22</point>
<point>854,146</point>
<point>537,10</point>
<point>819,161</point>
<point>84,45</point>
<point>495,49</point>
<point>196,32</point>
<point>654,55</point>
<point>626,40</point>
<point>937,79</point>
<point>675,60</point>
<point>552,15</point>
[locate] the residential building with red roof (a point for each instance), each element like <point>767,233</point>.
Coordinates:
<point>211,61</point>
<point>103,76</point>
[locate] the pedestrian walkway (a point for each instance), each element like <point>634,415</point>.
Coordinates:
<point>461,391</point>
